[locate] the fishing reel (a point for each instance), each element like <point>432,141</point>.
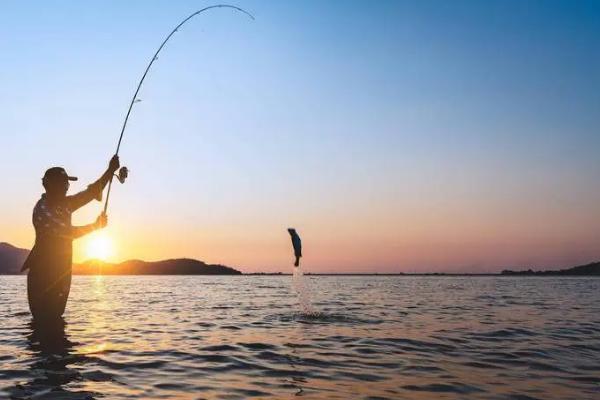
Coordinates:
<point>123,174</point>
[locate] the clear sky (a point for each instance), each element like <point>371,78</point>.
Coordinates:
<point>394,135</point>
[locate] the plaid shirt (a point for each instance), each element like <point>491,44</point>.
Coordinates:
<point>52,220</point>
<point>54,233</point>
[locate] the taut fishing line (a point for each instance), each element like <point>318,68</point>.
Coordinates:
<point>123,173</point>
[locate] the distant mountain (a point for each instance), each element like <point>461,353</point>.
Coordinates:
<point>178,266</point>
<point>12,258</point>
<point>588,269</point>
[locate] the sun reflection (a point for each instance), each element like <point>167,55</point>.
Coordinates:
<point>94,329</point>
<point>93,349</point>
<point>99,284</point>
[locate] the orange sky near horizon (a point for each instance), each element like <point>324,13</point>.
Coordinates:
<point>418,237</point>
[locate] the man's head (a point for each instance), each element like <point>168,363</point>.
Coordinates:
<point>56,181</point>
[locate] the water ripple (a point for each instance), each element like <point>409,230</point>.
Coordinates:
<point>367,338</point>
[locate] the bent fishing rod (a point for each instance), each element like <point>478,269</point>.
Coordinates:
<point>123,173</point>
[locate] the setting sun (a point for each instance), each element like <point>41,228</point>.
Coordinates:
<point>99,246</point>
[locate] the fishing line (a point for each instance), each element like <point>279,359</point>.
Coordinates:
<point>154,58</point>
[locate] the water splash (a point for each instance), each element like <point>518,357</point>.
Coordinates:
<point>303,292</point>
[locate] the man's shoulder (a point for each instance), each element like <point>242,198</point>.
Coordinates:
<point>43,206</point>
<point>40,204</point>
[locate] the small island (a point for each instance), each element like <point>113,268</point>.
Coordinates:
<point>592,269</point>
<point>177,266</point>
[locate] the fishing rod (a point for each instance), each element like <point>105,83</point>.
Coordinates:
<point>123,172</point>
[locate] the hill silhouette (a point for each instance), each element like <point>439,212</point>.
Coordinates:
<point>12,258</point>
<point>177,266</point>
<point>581,270</point>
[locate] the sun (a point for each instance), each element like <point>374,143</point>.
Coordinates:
<point>99,247</point>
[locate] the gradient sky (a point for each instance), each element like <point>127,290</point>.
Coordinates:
<point>394,135</point>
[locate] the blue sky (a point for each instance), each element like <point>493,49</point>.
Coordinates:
<point>395,135</point>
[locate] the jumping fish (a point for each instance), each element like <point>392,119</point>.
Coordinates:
<point>297,243</point>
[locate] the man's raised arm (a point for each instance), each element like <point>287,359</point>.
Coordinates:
<point>94,191</point>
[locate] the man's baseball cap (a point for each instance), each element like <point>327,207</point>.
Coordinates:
<point>57,173</point>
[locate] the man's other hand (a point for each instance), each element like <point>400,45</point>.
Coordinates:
<point>101,221</point>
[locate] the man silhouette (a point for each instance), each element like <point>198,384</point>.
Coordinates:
<point>49,262</point>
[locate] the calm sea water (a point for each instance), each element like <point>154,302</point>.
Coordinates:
<point>245,337</point>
